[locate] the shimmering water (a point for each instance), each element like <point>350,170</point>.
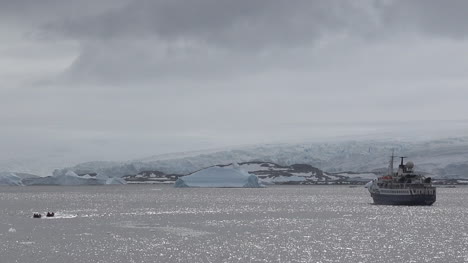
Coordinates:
<point>148,223</point>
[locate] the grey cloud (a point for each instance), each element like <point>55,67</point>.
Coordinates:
<point>240,24</point>
<point>205,73</point>
<point>44,11</point>
<point>150,40</point>
<point>433,17</point>
<point>255,24</point>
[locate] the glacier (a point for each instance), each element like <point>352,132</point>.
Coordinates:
<point>222,177</point>
<point>441,158</point>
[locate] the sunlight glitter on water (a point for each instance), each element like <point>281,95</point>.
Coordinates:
<point>276,224</point>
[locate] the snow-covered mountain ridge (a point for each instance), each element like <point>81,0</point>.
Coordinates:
<point>268,173</point>
<point>440,158</point>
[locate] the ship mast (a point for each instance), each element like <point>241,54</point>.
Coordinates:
<point>390,166</point>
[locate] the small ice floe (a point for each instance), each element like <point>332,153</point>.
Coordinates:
<point>12,230</point>
<point>27,242</point>
<point>85,234</point>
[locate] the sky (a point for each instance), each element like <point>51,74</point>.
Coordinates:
<point>123,79</point>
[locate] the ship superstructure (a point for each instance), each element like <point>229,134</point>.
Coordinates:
<point>403,187</point>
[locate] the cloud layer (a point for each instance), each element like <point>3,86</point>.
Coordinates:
<point>208,73</point>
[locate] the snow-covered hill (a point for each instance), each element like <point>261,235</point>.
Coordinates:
<point>442,158</point>
<point>268,173</point>
<point>272,173</point>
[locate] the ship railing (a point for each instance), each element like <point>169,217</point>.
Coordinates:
<point>395,185</point>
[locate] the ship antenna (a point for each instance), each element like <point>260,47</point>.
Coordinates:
<point>390,167</point>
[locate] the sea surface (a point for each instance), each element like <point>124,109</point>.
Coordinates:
<point>159,223</point>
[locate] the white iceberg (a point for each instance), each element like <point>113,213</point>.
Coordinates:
<point>115,180</point>
<point>219,177</point>
<point>62,177</point>
<point>369,184</point>
<point>7,178</point>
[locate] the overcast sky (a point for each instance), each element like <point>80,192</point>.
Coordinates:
<point>122,79</point>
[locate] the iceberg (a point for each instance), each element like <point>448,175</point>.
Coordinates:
<point>7,178</point>
<point>369,184</point>
<point>62,177</point>
<point>219,177</point>
<point>115,180</point>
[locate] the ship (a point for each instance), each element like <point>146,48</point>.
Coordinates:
<point>405,187</point>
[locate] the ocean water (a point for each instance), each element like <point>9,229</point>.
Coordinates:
<point>158,223</point>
